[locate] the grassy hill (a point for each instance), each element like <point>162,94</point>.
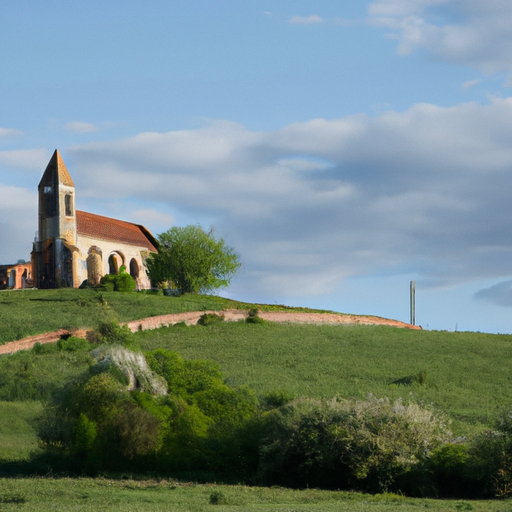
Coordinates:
<point>464,374</point>
<point>27,312</point>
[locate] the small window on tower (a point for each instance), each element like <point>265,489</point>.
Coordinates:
<point>68,202</point>
<point>48,190</point>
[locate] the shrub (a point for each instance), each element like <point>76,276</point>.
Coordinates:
<point>122,282</point>
<point>72,344</point>
<point>184,378</point>
<point>253,317</point>
<point>110,332</point>
<point>45,348</point>
<point>210,318</point>
<point>218,498</point>
<point>491,458</point>
<point>276,399</point>
<point>85,433</point>
<point>107,286</point>
<point>135,432</point>
<point>227,405</point>
<point>449,465</point>
<point>367,444</point>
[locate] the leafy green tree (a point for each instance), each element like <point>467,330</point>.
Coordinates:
<point>193,260</point>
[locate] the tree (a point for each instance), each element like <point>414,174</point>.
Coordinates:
<point>193,260</point>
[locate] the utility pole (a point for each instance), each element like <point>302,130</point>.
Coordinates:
<point>413,303</point>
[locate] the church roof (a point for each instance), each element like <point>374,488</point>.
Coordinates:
<point>56,172</point>
<point>105,228</point>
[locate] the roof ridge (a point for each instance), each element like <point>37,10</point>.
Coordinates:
<point>109,218</point>
<point>107,228</point>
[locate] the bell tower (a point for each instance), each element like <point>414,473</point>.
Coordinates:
<point>56,237</point>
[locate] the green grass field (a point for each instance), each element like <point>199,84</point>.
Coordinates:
<point>27,312</point>
<point>467,374</point>
<point>467,377</point>
<point>36,494</point>
<point>17,435</point>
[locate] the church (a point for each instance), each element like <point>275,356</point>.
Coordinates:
<point>72,246</point>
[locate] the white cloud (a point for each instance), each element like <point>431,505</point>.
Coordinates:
<point>476,33</point>
<point>81,127</point>
<point>6,132</point>
<point>35,159</point>
<point>470,83</point>
<point>423,191</point>
<point>306,20</point>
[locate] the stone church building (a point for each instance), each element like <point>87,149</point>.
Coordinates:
<point>72,246</point>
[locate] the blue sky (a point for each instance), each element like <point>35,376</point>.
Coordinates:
<point>343,148</point>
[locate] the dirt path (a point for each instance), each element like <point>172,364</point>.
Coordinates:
<point>230,315</point>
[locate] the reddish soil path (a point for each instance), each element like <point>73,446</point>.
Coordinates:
<point>230,315</point>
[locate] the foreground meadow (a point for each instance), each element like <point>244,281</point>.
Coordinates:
<point>126,495</point>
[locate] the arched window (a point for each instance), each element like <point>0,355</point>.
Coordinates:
<point>134,269</point>
<point>68,203</point>
<point>115,261</point>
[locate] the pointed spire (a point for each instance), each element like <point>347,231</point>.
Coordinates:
<point>56,172</point>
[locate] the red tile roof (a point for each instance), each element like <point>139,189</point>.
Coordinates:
<point>105,228</point>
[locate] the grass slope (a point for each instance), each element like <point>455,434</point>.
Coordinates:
<point>467,374</point>
<point>27,312</point>
<point>17,435</point>
<point>128,495</point>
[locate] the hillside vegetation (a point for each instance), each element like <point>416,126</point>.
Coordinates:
<point>254,401</point>
<point>464,374</point>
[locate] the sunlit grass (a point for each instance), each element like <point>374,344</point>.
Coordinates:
<point>28,312</point>
<point>126,495</point>
<point>467,374</point>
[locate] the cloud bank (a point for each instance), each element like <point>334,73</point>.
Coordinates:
<point>475,33</point>
<point>424,191</point>
<point>499,294</point>
<point>7,132</point>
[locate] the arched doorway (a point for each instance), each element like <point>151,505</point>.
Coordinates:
<point>115,261</point>
<point>12,279</point>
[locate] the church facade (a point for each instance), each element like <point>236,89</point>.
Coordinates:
<point>72,246</point>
